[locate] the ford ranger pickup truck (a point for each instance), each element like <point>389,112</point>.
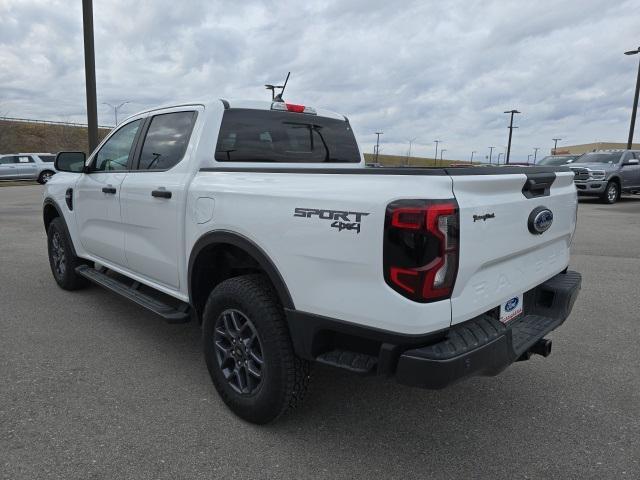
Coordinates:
<point>261,221</point>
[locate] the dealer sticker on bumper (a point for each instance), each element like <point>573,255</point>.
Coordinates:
<point>511,308</point>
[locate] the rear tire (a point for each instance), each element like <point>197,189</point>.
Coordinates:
<point>45,176</point>
<point>611,194</point>
<point>62,260</point>
<point>249,352</point>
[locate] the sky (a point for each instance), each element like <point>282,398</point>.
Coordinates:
<point>422,70</point>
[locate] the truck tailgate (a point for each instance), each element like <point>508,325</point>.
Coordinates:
<point>500,257</point>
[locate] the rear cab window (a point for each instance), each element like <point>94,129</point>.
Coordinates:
<point>249,135</point>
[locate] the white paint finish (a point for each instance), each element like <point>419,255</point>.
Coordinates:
<point>499,257</point>
<point>204,209</point>
<point>151,224</point>
<point>328,272</point>
<point>98,216</point>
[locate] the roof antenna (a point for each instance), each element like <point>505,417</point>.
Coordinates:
<point>278,97</point>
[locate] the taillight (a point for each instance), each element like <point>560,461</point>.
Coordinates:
<point>421,248</point>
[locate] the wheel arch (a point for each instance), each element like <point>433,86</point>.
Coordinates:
<point>50,210</point>
<point>235,254</point>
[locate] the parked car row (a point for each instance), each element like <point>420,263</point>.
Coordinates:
<point>27,166</point>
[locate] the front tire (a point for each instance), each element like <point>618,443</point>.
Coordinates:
<point>62,260</point>
<point>611,194</point>
<point>248,350</point>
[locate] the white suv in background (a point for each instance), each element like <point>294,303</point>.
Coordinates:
<point>27,166</point>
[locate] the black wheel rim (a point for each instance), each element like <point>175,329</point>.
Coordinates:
<point>58,255</point>
<point>239,351</point>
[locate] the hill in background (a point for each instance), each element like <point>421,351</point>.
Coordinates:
<point>27,137</point>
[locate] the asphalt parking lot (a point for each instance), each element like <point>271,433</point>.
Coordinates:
<point>92,386</point>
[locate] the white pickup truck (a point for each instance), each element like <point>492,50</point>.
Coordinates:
<point>261,221</point>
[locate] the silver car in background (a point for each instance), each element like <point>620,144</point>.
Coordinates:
<point>27,166</point>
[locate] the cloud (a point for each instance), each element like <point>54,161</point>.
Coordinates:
<point>420,69</point>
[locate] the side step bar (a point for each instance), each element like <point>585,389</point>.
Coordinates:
<point>180,314</point>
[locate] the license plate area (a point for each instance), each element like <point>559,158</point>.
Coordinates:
<point>511,308</point>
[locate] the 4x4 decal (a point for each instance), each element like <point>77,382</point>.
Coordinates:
<point>340,219</point>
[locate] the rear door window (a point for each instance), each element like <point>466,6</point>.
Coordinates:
<point>166,140</point>
<point>248,135</point>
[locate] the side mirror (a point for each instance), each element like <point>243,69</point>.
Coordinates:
<point>70,162</point>
<point>631,161</point>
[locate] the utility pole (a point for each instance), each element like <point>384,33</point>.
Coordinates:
<point>90,74</point>
<point>635,100</point>
<point>490,153</point>
<point>116,108</point>
<point>378,144</point>
<point>555,145</point>
<point>472,156</point>
<point>535,154</point>
<point>511,127</point>
<point>435,159</point>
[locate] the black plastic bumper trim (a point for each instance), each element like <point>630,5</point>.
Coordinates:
<point>483,345</point>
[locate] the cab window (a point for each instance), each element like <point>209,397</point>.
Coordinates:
<point>114,154</point>
<point>166,140</point>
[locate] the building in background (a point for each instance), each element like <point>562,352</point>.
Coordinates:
<point>590,147</point>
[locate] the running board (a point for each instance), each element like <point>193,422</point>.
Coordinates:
<point>179,314</point>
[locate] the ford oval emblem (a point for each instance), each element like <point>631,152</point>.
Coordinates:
<point>511,304</point>
<point>540,220</point>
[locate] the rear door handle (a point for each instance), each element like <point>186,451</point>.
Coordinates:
<point>110,190</point>
<point>161,194</point>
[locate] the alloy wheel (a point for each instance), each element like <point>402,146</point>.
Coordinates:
<point>239,351</point>
<point>58,255</point>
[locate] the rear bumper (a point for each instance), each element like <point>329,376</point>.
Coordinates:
<point>485,346</point>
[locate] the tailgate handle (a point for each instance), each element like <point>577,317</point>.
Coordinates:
<point>538,184</point>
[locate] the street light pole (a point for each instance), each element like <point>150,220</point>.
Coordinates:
<point>90,74</point>
<point>490,153</point>
<point>116,108</point>
<point>411,140</point>
<point>378,144</point>
<point>435,159</point>
<point>499,157</point>
<point>635,100</point>
<point>528,158</point>
<point>472,156</point>
<point>511,127</point>
<point>555,145</point>
<point>535,154</point>
<point>441,154</point>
